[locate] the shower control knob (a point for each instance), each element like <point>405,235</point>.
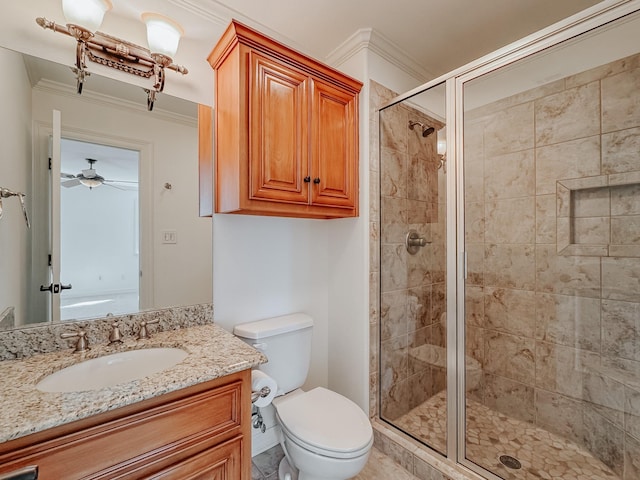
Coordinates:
<point>413,242</point>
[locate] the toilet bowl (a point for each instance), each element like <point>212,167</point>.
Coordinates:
<point>324,435</point>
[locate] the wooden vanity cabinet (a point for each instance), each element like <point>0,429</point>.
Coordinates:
<point>201,432</point>
<point>286,131</point>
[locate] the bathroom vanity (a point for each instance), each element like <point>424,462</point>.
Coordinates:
<point>189,421</point>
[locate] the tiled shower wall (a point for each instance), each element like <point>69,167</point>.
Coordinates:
<point>412,286</point>
<point>558,334</point>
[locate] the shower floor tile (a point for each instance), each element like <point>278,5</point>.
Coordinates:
<point>543,455</point>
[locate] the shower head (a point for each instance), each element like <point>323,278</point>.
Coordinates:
<point>426,130</point>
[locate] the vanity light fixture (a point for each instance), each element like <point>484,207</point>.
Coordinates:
<point>84,17</point>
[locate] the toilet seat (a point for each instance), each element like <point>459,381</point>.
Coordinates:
<point>326,423</point>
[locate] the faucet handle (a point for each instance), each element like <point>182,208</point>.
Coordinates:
<point>144,333</point>
<point>115,336</point>
<point>82,344</point>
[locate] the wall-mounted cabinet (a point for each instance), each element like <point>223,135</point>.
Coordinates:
<point>286,131</point>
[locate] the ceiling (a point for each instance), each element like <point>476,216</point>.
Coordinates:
<point>439,35</point>
<point>434,36</point>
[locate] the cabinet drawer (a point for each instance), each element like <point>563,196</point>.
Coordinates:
<point>125,444</point>
<point>219,462</point>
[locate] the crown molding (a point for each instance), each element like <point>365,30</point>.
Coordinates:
<point>374,41</point>
<point>222,15</point>
<point>202,12</point>
<point>57,88</point>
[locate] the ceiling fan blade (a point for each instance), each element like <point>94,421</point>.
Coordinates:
<point>66,175</point>
<point>121,181</point>
<point>131,186</point>
<point>70,183</point>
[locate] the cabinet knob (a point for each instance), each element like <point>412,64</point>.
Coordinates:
<point>316,180</point>
<point>307,179</point>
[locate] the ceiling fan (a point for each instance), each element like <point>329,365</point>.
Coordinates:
<point>89,178</point>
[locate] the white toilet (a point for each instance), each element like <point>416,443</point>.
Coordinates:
<point>325,436</point>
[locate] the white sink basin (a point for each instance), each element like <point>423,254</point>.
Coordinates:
<point>111,370</point>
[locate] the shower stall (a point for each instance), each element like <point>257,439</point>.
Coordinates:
<point>509,256</point>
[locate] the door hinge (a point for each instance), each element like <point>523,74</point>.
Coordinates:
<point>49,260</point>
<point>49,163</point>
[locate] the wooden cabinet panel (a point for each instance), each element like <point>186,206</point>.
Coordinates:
<point>217,463</point>
<point>334,141</point>
<point>205,159</point>
<point>282,121</point>
<point>277,131</point>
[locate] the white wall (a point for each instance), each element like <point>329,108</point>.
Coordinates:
<point>97,228</point>
<point>348,272</point>
<point>269,266</point>
<point>182,273</point>
<point>15,173</point>
<point>390,75</point>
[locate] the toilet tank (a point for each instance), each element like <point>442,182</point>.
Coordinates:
<point>286,341</point>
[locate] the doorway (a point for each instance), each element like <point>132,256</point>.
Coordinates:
<point>99,230</point>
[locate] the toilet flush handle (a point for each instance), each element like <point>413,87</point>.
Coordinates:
<point>260,346</point>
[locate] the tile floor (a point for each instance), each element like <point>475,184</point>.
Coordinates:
<point>543,455</point>
<point>379,467</point>
<point>490,434</point>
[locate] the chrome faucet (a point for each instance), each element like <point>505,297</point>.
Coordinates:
<point>82,344</point>
<point>115,336</point>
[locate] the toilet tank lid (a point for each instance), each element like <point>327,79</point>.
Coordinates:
<point>273,326</point>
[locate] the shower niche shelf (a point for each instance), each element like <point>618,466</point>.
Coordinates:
<point>599,216</point>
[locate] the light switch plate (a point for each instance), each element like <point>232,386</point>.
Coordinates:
<point>169,236</point>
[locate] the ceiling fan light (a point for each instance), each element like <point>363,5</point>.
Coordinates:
<point>163,34</point>
<point>85,13</point>
<point>91,182</point>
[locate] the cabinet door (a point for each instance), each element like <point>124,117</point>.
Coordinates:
<point>278,131</point>
<point>217,463</point>
<point>334,137</point>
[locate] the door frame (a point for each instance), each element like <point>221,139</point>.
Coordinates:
<point>42,132</point>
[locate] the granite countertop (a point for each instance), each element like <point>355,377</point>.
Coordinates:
<point>213,353</point>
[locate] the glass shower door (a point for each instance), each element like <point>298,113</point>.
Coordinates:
<point>413,394</point>
<point>552,238</point>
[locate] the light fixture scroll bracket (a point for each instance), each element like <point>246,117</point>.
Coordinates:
<point>115,53</point>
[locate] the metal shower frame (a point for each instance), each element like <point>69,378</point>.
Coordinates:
<point>456,261</point>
